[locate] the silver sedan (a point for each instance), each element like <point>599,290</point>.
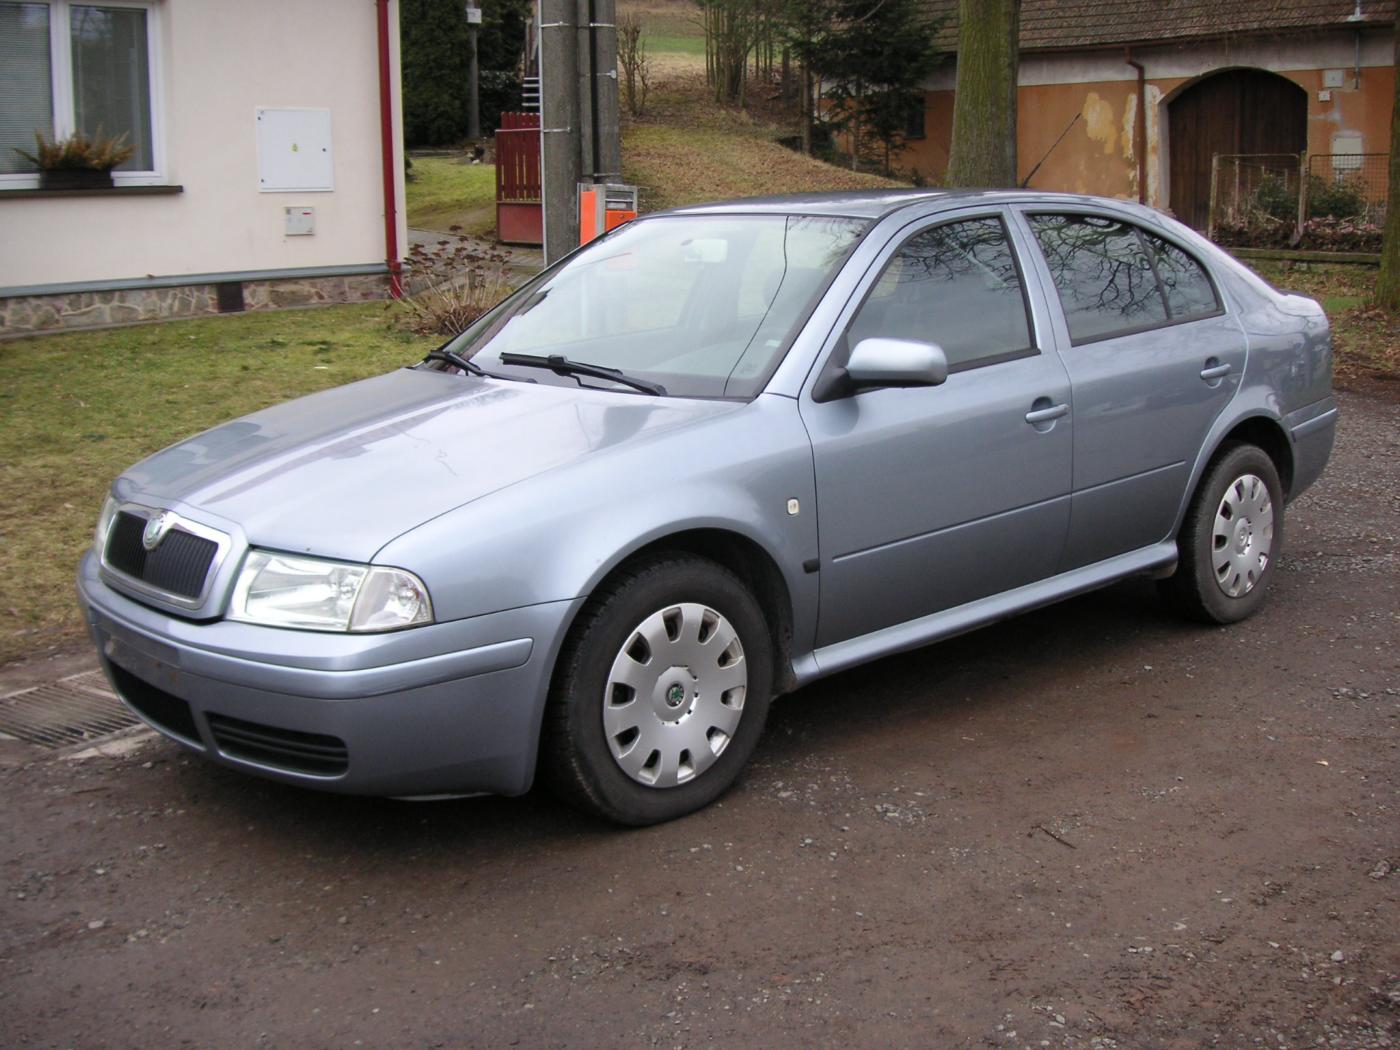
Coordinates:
<point>715,455</point>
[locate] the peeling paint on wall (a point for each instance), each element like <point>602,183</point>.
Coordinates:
<point>1098,122</point>
<point>1154,144</point>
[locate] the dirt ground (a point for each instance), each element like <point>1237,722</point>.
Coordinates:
<point>1094,826</point>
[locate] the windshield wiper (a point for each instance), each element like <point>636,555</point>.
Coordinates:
<point>468,366</point>
<point>563,366</point>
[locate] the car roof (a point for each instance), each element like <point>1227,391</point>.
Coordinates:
<point>876,204</point>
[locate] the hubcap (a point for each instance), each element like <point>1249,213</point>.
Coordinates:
<point>675,695</point>
<point>1243,538</point>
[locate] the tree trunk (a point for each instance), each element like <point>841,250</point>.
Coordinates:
<point>984,105</point>
<point>806,110</point>
<point>1388,286</point>
<point>855,129</point>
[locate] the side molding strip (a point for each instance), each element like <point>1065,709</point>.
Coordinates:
<point>936,626</point>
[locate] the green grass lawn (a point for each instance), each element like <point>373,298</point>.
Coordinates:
<point>670,28</point>
<point>77,408</point>
<point>662,43</point>
<point>686,150</point>
<point>451,191</point>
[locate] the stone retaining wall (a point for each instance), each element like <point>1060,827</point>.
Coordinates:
<point>26,315</point>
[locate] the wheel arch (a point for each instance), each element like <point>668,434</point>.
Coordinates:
<point>1258,427</point>
<point>1268,434</point>
<point>746,559</point>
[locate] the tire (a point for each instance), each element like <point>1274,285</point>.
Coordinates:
<point>1229,542</point>
<point>660,694</point>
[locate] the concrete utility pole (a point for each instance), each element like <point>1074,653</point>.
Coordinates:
<point>607,133</point>
<point>559,154</point>
<point>579,125</point>
<point>473,74</point>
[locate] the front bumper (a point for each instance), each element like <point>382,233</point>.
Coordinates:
<point>448,708</point>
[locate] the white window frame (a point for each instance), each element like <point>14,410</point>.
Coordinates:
<point>61,75</point>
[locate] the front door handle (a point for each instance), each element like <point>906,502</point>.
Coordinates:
<point>1045,415</point>
<point>1214,370</point>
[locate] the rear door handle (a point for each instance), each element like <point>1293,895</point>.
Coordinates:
<point>1214,371</point>
<point>1045,415</point>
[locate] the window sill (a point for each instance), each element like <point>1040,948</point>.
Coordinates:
<point>105,191</point>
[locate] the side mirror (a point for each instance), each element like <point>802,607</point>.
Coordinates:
<point>896,362</point>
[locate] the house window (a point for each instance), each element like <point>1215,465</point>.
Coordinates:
<point>67,66</point>
<point>914,118</point>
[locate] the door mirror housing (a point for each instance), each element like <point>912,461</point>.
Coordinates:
<point>896,362</point>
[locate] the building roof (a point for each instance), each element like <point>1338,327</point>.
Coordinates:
<point>1048,25</point>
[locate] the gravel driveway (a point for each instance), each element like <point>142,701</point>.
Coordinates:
<point>1093,826</point>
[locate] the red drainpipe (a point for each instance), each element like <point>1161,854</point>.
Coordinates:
<point>386,142</point>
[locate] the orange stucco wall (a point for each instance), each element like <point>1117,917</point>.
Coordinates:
<point>1097,154</point>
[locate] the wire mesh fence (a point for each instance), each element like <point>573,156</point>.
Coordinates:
<point>1325,201</point>
<point>1246,186</point>
<point>1348,186</point>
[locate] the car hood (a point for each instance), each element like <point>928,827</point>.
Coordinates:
<point>342,472</point>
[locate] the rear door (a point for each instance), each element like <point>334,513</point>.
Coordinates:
<point>1152,358</point>
<point>930,497</point>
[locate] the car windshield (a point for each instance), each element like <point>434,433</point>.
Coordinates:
<point>701,305</point>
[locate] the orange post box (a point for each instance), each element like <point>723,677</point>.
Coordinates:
<point>603,207</point>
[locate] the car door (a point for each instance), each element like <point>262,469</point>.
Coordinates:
<point>930,497</point>
<point>1152,357</point>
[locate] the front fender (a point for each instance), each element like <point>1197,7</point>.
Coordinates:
<point>556,536</point>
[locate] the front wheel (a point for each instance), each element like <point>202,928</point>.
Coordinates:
<point>1229,543</point>
<point>661,692</point>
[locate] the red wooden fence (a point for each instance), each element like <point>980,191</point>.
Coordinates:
<point>519,213</point>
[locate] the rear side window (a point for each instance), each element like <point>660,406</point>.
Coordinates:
<point>956,285</point>
<point>1114,278</point>
<point>1102,272</point>
<point>1185,283</point>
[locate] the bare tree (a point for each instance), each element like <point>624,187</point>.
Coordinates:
<point>634,63</point>
<point>1388,286</point>
<point>984,105</point>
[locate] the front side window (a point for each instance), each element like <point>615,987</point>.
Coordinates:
<point>1103,275</point>
<point>704,305</point>
<point>66,67</point>
<point>955,285</point>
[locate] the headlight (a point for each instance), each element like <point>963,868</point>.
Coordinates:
<point>104,522</point>
<point>285,590</point>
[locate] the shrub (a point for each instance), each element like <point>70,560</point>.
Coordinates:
<point>453,283</point>
<point>1340,198</point>
<point>1272,197</point>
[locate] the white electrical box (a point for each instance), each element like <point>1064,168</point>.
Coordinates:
<point>301,222</point>
<point>1334,78</point>
<point>473,16</point>
<point>294,150</point>
<point>1324,96</point>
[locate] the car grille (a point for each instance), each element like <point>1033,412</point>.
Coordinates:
<point>288,749</point>
<point>167,713</point>
<point>177,566</point>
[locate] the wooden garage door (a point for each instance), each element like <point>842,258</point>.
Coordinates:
<point>1238,111</point>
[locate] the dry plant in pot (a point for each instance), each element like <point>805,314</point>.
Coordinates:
<point>79,161</point>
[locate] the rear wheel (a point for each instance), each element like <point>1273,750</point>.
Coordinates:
<point>1229,543</point>
<point>661,692</point>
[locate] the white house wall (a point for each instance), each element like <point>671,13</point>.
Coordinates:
<point>218,62</point>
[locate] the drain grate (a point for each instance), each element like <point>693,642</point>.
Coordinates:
<point>74,710</point>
